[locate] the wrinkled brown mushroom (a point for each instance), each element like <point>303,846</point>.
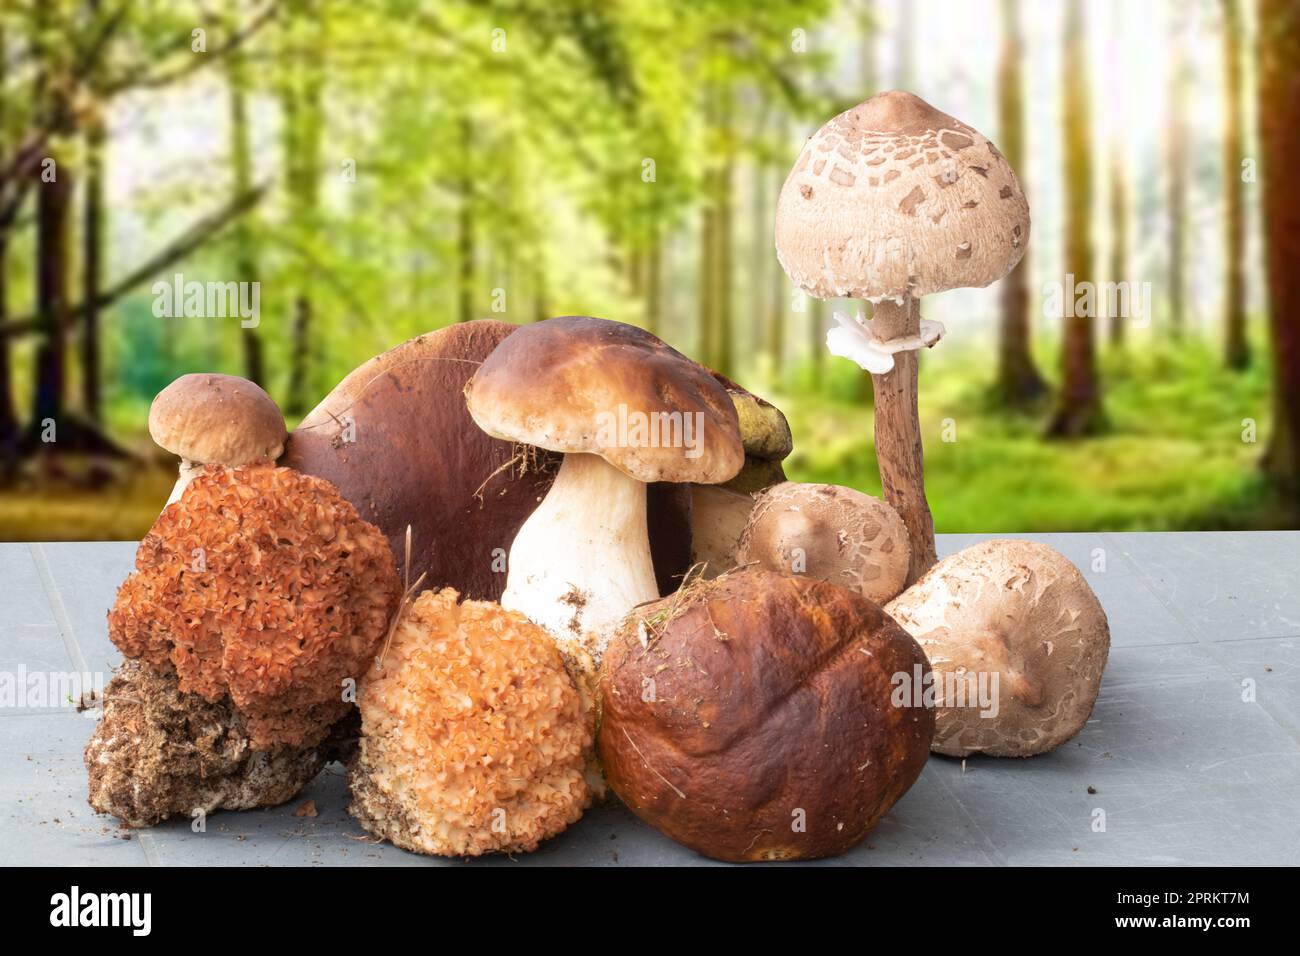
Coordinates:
<point>829,532</point>
<point>473,734</point>
<point>890,201</point>
<point>264,585</point>
<point>211,419</point>
<point>159,752</point>
<point>755,716</point>
<point>1017,641</point>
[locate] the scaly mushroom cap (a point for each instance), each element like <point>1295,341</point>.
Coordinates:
<point>159,752</point>
<point>741,706</point>
<point>473,735</point>
<point>893,198</point>
<point>829,532</point>
<point>217,419</point>
<point>1022,611</point>
<point>264,584</point>
<point>572,384</point>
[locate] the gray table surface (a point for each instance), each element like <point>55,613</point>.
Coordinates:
<point>1187,766</point>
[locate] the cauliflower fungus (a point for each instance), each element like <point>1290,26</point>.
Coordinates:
<point>264,584</point>
<point>474,736</point>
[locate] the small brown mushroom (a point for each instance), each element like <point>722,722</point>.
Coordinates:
<point>1017,641</point>
<point>890,201</point>
<point>212,419</point>
<point>829,532</point>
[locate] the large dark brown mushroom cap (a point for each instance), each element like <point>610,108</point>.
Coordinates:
<point>396,440</point>
<point>264,584</point>
<point>1022,611</point>
<point>571,383</point>
<point>752,717</point>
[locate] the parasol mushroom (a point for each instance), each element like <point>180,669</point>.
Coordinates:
<point>1018,643</point>
<point>625,409</point>
<point>890,201</point>
<point>212,419</point>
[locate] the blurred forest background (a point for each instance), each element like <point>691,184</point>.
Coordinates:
<point>384,167</point>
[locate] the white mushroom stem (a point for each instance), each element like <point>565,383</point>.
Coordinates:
<point>856,340</point>
<point>188,471</point>
<point>582,560</point>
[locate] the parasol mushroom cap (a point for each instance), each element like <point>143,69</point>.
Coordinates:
<point>829,532</point>
<point>1022,611</point>
<point>569,384</point>
<point>474,737</point>
<point>894,198</point>
<point>217,420</point>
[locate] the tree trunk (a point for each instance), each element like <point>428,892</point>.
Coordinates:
<point>8,414</point>
<point>899,453</point>
<point>53,201</point>
<point>817,309</point>
<point>92,270</point>
<point>1019,383</point>
<point>1279,118</point>
<point>1177,137</point>
<point>243,237</point>
<point>465,239</point>
<point>1079,409</point>
<point>774,338</point>
<point>652,283</point>
<point>1119,215</point>
<point>1236,348</point>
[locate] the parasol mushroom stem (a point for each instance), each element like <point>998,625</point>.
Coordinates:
<point>899,454</point>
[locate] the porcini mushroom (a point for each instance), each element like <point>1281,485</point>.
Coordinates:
<point>1017,641</point>
<point>829,532</point>
<point>266,586</point>
<point>473,735</point>
<point>212,419</point>
<point>625,409</point>
<point>890,201</point>
<point>755,716</point>
<point>395,439</point>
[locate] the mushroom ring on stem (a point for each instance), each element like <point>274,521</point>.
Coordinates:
<point>890,201</point>
<point>625,409</point>
<point>211,419</point>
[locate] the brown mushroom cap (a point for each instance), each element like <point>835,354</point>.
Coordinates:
<point>473,734</point>
<point>217,420</point>
<point>562,384</point>
<point>1023,611</point>
<point>419,459</point>
<point>829,532</point>
<point>893,198</point>
<point>740,706</point>
<point>264,585</point>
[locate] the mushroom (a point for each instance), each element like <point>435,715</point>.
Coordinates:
<point>890,201</point>
<point>755,716</point>
<point>396,440</point>
<point>212,419</point>
<point>266,586</point>
<point>159,752</point>
<point>1018,642</point>
<point>473,735</point>
<point>625,409</point>
<point>719,512</point>
<point>829,532</point>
